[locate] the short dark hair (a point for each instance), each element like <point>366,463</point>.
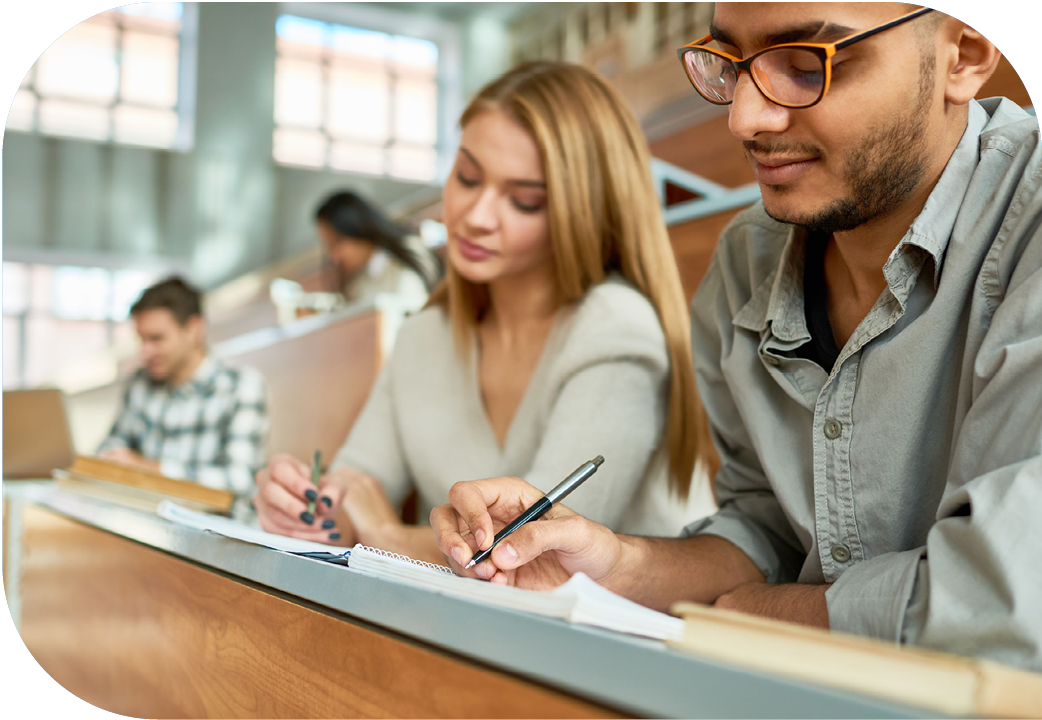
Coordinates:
<point>173,294</point>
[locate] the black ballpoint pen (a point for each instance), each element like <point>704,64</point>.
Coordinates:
<point>543,504</point>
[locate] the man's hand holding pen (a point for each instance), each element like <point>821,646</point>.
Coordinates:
<point>540,555</point>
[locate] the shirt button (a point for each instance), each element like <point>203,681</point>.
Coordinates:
<point>840,553</point>
<point>832,428</point>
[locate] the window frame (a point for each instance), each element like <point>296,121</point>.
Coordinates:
<point>448,72</point>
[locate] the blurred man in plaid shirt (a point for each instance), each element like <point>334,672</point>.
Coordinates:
<point>185,414</point>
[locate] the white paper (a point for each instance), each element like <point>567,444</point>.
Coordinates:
<point>230,528</point>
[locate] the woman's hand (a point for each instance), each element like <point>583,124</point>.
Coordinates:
<point>540,555</point>
<point>284,490</point>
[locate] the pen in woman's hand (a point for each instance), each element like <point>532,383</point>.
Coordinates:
<point>316,472</point>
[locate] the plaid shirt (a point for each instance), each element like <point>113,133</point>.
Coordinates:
<point>211,429</point>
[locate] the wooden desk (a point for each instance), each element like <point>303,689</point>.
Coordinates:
<point>146,618</point>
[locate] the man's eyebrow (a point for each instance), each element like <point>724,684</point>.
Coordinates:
<point>814,31</point>
<point>539,184</point>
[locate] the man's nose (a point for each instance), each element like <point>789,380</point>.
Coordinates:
<point>751,113</point>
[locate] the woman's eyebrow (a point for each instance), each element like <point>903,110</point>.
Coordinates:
<point>539,184</point>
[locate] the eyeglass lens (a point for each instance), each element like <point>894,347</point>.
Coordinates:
<point>715,77</point>
<point>790,76</point>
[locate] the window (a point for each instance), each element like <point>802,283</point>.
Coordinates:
<point>113,77</point>
<point>355,100</point>
<point>49,309</point>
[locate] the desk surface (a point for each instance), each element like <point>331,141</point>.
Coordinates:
<point>631,674</point>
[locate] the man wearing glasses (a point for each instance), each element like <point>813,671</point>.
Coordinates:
<point>868,345</point>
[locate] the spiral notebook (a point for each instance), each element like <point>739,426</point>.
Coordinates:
<point>580,600</point>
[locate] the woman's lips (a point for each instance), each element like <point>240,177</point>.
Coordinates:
<point>779,172</point>
<point>471,251</point>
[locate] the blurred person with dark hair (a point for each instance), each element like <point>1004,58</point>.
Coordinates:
<point>185,414</point>
<point>371,254</point>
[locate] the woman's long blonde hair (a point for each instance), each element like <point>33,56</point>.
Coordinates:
<point>604,216</point>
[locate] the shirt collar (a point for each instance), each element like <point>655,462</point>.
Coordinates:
<point>204,375</point>
<point>779,298</point>
<point>932,228</point>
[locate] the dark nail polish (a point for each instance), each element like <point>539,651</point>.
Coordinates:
<point>328,524</point>
<point>334,536</point>
<point>307,517</point>
<point>311,495</point>
<point>327,501</point>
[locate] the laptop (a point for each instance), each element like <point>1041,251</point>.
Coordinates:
<point>37,438</point>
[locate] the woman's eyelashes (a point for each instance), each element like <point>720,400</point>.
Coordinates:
<point>526,207</point>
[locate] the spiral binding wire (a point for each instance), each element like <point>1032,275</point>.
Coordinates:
<point>407,559</point>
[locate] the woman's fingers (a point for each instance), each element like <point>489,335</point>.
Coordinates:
<point>275,497</point>
<point>330,495</point>
<point>293,475</point>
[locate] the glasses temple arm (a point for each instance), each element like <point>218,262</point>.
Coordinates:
<point>886,26</point>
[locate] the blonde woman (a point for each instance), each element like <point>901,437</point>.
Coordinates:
<point>560,333</point>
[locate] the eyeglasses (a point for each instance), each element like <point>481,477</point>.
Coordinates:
<point>793,75</point>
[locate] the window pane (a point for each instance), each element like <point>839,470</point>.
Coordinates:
<point>63,117</point>
<point>12,352</point>
<point>47,344</point>
<point>300,30</point>
<point>149,69</point>
<point>413,163</point>
<point>358,158</point>
<point>162,17</point>
<point>300,147</point>
<point>16,288</point>
<point>144,126</point>
<point>416,111</point>
<point>298,93</point>
<point>364,43</point>
<point>23,111</point>
<point>127,286</point>
<point>41,279</point>
<point>415,56</point>
<point>81,293</point>
<point>80,64</point>
<point>358,100</point>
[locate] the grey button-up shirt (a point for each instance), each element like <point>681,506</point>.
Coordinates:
<point>911,476</point>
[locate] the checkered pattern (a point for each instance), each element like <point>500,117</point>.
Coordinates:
<point>211,429</point>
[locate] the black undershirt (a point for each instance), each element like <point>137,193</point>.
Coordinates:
<point>822,345</point>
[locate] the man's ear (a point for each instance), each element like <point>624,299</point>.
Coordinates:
<point>972,60</point>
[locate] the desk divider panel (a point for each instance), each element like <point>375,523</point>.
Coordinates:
<point>318,383</point>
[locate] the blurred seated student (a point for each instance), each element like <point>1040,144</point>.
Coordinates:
<point>185,414</point>
<point>372,255</point>
<point>560,333</point>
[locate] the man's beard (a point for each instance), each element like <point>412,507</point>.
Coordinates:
<point>881,173</point>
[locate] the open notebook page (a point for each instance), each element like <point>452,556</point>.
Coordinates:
<point>580,600</point>
<point>230,528</point>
